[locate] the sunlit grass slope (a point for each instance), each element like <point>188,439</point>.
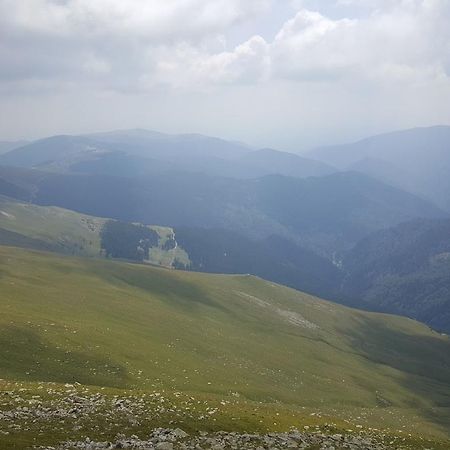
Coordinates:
<point>136,327</point>
<point>60,230</point>
<point>57,228</point>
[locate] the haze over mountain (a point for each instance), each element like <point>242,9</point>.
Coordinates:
<point>326,214</point>
<point>139,152</point>
<point>404,270</point>
<point>198,277</point>
<point>7,146</point>
<point>282,74</point>
<point>382,272</point>
<point>417,160</point>
<point>235,208</point>
<point>343,235</point>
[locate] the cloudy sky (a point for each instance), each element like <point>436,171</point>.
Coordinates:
<point>280,73</point>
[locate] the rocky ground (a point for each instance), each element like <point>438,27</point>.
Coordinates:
<point>71,416</point>
<point>172,439</point>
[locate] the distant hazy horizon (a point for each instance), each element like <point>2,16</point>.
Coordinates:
<point>291,75</point>
<point>255,146</point>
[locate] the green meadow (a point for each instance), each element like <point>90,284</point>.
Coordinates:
<point>64,231</point>
<point>264,356</point>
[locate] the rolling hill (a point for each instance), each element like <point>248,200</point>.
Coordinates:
<point>146,143</point>
<point>212,351</point>
<point>143,152</point>
<point>402,270</point>
<point>325,214</point>
<point>52,228</point>
<point>268,161</point>
<point>206,250</point>
<point>64,231</point>
<point>416,160</point>
<point>65,150</point>
<point>7,146</point>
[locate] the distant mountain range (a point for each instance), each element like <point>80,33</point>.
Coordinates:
<point>7,146</point>
<point>416,160</point>
<point>346,235</point>
<point>142,152</point>
<point>326,214</point>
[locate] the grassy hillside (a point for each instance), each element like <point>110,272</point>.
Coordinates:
<point>266,356</point>
<point>61,230</point>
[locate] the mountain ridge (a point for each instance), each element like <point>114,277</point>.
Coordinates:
<point>327,214</point>
<point>417,160</point>
<point>193,152</point>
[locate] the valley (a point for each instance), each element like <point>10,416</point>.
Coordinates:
<point>144,304</point>
<point>224,225</point>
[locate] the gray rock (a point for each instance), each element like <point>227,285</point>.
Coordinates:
<point>178,433</point>
<point>164,446</point>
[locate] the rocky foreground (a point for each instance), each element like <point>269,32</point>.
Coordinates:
<point>174,439</point>
<point>48,416</point>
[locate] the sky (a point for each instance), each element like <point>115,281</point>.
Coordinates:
<point>287,74</point>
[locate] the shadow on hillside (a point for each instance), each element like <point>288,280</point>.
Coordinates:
<point>12,239</point>
<point>423,360</point>
<point>164,284</point>
<point>26,356</point>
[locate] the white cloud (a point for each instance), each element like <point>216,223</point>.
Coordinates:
<point>119,42</point>
<point>149,19</point>
<point>187,67</point>
<point>310,46</point>
<point>408,42</point>
<point>139,43</point>
<point>327,57</point>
